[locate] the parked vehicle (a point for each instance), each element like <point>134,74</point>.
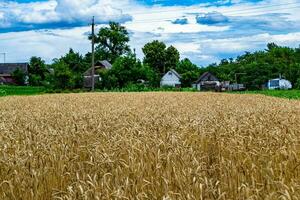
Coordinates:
<point>279,84</point>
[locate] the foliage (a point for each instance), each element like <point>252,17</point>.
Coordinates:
<point>20,90</point>
<point>19,76</point>
<point>112,42</point>
<point>289,94</point>
<point>260,66</point>
<point>68,71</point>
<point>38,71</point>
<point>188,71</point>
<point>127,70</point>
<point>159,57</point>
<point>62,77</point>
<point>2,92</point>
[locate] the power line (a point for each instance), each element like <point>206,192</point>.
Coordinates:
<point>165,19</point>
<point>190,9</point>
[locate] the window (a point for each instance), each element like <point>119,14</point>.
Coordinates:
<point>274,83</point>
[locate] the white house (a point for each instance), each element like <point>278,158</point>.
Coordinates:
<point>171,78</point>
<point>279,83</point>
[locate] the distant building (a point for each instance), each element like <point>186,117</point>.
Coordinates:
<point>279,84</point>
<point>171,78</point>
<point>207,82</point>
<point>104,64</point>
<point>7,69</point>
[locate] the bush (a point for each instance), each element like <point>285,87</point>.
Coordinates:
<point>2,93</point>
<point>19,76</point>
<point>297,85</point>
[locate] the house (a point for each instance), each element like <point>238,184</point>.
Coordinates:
<point>104,64</point>
<point>171,79</point>
<point>207,82</point>
<point>7,69</point>
<point>279,84</point>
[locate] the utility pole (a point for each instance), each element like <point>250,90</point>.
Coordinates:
<point>4,57</point>
<point>93,54</point>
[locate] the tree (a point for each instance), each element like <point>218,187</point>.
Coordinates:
<point>62,77</point>
<point>19,76</point>
<point>37,71</point>
<point>261,66</point>
<point>125,71</point>
<point>172,58</point>
<point>77,65</point>
<point>112,42</point>
<point>189,72</point>
<point>159,57</point>
<point>156,56</point>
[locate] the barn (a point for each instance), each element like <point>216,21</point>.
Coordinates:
<point>7,69</point>
<point>104,64</point>
<point>171,79</point>
<point>207,82</point>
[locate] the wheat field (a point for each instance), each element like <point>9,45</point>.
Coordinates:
<point>149,146</point>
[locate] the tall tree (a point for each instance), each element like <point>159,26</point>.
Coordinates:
<point>189,72</point>
<point>172,58</point>
<point>159,57</point>
<point>37,71</point>
<point>112,42</point>
<point>128,70</point>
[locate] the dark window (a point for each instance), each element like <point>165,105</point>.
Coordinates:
<point>274,83</point>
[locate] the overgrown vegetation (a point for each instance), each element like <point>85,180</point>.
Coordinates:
<point>21,90</point>
<point>149,146</point>
<point>289,94</point>
<point>261,66</point>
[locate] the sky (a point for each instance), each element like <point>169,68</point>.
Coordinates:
<point>205,31</point>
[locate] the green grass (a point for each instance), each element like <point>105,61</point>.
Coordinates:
<point>289,94</point>
<point>20,90</point>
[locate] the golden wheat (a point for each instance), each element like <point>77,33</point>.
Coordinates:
<point>149,146</point>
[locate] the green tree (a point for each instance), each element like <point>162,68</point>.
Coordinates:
<point>77,65</point>
<point>125,71</point>
<point>37,71</point>
<point>155,55</point>
<point>172,58</point>
<point>112,42</point>
<point>19,76</point>
<point>189,72</point>
<point>62,78</point>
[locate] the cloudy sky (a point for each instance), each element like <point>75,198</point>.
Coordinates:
<point>203,30</point>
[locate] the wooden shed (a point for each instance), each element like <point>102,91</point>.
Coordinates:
<point>104,64</point>
<point>207,82</point>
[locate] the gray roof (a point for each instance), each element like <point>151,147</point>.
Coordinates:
<point>207,76</point>
<point>104,64</point>
<point>9,68</point>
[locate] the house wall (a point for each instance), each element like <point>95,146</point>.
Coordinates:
<point>170,79</point>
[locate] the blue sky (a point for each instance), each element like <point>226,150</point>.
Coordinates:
<point>205,31</point>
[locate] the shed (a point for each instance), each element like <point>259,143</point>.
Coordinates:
<point>171,78</point>
<point>207,82</point>
<point>104,64</point>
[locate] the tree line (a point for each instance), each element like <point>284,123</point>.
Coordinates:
<point>112,44</point>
